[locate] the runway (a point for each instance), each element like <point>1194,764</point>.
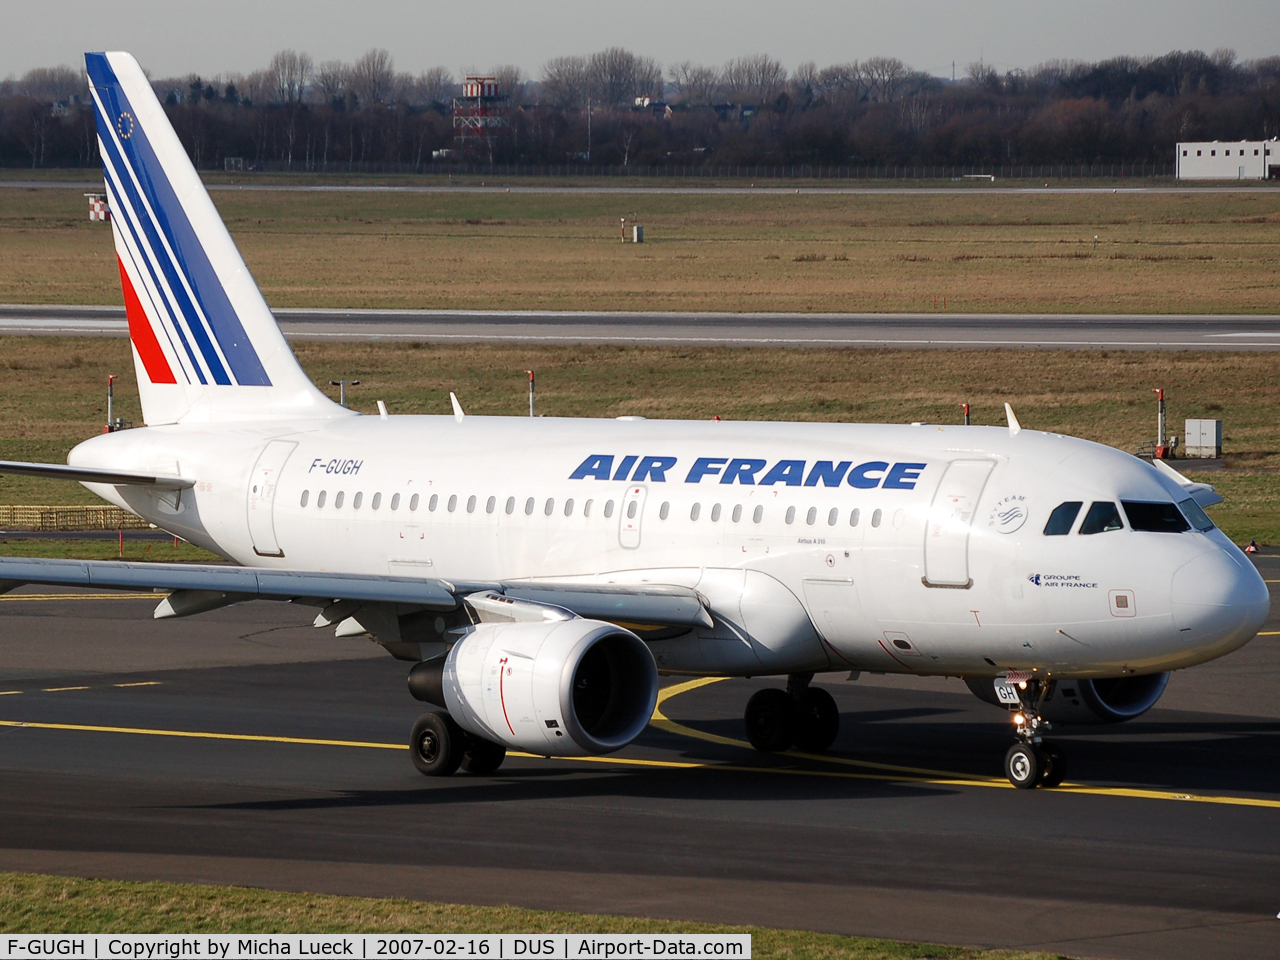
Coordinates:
<point>242,746</point>
<point>852,330</point>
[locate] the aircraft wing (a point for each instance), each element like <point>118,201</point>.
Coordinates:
<point>60,471</point>
<point>197,587</point>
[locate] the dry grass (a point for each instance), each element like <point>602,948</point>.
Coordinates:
<point>31,903</point>
<point>981,251</point>
<point>53,395</point>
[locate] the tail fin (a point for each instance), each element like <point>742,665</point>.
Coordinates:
<point>205,344</point>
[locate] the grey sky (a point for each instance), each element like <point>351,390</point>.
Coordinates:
<point>226,36</point>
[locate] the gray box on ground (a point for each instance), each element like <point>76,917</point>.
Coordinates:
<point>1203,439</point>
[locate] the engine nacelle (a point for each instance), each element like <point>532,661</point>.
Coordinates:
<point>563,688</point>
<point>1110,700</point>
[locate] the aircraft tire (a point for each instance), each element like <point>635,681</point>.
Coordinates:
<point>483,756</point>
<point>818,720</point>
<point>1022,765</point>
<point>436,745</point>
<point>1055,766</point>
<point>771,720</point>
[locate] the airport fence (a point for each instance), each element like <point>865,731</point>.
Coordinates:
<point>59,518</point>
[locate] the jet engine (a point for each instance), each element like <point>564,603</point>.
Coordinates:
<point>1110,700</point>
<point>561,688</point>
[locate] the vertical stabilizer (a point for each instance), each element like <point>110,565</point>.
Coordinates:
<point>205,344</point>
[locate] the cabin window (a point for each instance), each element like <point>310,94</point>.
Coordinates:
<point>695,511</point>
<point>528,507</point>
<point>550,506</point>
<point>715,513</point>
<point>490,505</point>
<point>758,514</point>
<point>631,509</point>
<point>395,501</point>
<point>305,495</point>
<point>876,517</point>
<point>377,501</point>
<point>568,507</point>
<point>320,498</point>
<point>471,504</point>
<point>453,502</point>
<point>433,503</point>
<point>791,515</point>
<point>586,508</point>
<point>337,499</point>
<point>1154,517</point>
<point>664,510</point>
<point>833,516</point>
<point>511,505</point>
<point>413,503</point>
<point>608,509</point>
<point>357,500</point>
<point>1102,517</point>
<point>1063,518</point>
<point>1199,519</point>
<point>737,512</point>
<point>811,516</point>
<point>854,516</point>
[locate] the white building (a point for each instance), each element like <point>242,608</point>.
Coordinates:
<point>1215,160</point>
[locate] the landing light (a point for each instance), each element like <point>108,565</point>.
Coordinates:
<point>1019,719</point>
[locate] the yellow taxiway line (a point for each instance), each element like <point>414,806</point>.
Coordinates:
<point>889,772</point>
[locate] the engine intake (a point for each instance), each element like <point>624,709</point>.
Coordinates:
<point>1104,700</point>
<point>564,688</point>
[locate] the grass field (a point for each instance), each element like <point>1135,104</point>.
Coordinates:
<point>53,396</point>
<point>980,250</point>
<point>31,903</point>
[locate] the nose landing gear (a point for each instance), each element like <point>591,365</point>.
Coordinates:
<point>801,716</point>
<point>1031,762</point>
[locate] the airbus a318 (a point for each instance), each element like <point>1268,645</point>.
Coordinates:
<point>541,574</point>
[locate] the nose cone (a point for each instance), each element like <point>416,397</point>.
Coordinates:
<point>1219,600</point>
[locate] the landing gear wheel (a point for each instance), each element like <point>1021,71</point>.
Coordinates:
<point>1022,765</point>
<point>436,745</point>
<point>771,720</point>
<point>1055,766</point>
<point>483,756</point>
<point>817,720</point>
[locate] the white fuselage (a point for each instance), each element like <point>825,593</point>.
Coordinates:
<point>930,560</point>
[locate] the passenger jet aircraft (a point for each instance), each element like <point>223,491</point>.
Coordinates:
<point>541,574</point>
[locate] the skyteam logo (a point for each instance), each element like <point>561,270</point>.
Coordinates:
<point>1009,514</point>
<point>752,471</point>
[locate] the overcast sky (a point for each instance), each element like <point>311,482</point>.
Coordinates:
<point>229,36</point>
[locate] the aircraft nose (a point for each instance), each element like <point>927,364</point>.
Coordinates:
<point>1219,598</point>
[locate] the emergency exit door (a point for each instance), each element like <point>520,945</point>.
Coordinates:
<point>632,513</point>
<point>263,483</point>
<point>946,537</point>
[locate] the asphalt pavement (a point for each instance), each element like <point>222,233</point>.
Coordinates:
<point>243,746</point>
<point>849,330</point>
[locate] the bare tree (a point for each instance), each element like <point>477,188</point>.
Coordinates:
<point>617,76</point>
<point>983,75</point>
<point>841,82</point>
<point>332,80</point>
<point>883,76</point>
<point>372,77</point>
<point>51,84</point>
<point>694,83</point>
<point>510,80</point>
<point>291,74</point>
<point>755,79</point>
<point>437,85</point>
<point>564,82</point>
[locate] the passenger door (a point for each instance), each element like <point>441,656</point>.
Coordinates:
<point>263,483</point>
<point>946,537</point>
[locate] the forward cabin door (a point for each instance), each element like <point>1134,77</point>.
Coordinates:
<point>946,537</point>
<point>262,492</point>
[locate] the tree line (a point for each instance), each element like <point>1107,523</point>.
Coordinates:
<point>615,108</point>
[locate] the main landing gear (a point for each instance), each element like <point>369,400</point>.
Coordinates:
<point>1031,762</point>
<point>800,716</point>
<point>438,747</point>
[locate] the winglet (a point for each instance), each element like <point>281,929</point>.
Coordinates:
<point>457,407</point>
<point>1014,425</point>
<point>1201,493</point>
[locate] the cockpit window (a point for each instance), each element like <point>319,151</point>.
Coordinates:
<point>1063,518</point>
<point>1192,511</point>
<point>1102,516</point>
<point>1155,517</point>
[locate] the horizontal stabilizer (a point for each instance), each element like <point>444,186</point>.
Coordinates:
<point>57,471</point>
